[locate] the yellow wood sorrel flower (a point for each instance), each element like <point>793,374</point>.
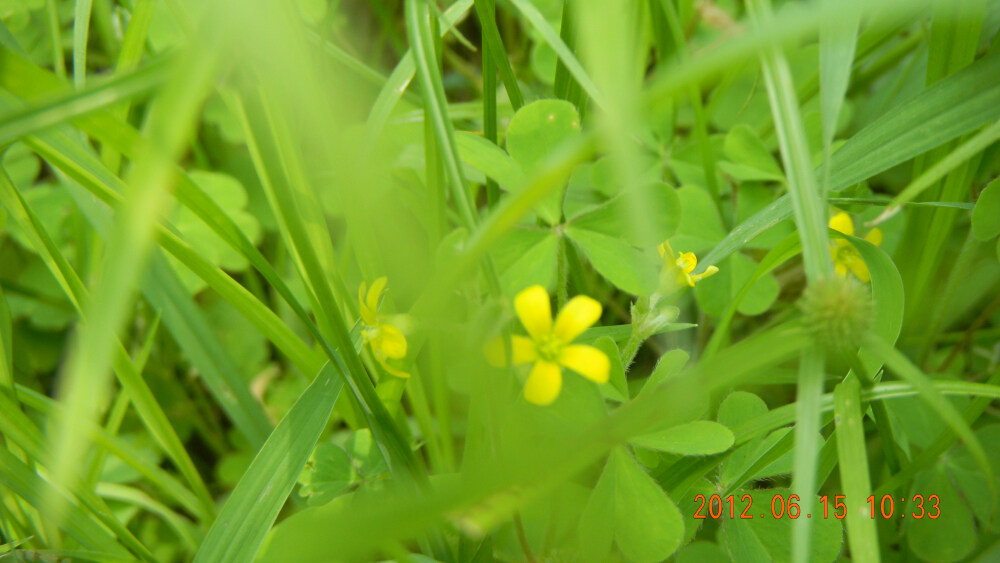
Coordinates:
<point>387,342</point>
<point>549,346</point>
<point>686,262</point>
<point>845,256</point>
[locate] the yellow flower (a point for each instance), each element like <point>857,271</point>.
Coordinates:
<point>549,345</point>
<point>387,342</point>
<point>845,256</point>
<point>686,262</point>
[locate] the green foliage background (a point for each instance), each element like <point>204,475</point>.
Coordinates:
<point>191,193</point>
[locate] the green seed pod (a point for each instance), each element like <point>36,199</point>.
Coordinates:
<point>837,312</point>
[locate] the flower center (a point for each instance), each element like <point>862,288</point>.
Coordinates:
<point>548,347</point>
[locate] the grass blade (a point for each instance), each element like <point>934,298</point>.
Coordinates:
<point>861,533</point>
<point>251,509</point>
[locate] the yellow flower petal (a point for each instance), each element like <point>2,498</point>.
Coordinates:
<point>709,271</point>
<point>367,315</point>
<point>579,314</point>
<point>687,262</point>
<point>391,342</point>
<point>533,308</point>
<point>523,351</point>
<point>840,268</point>
<point>543,384</point>
<point>371,300</point>
<point>860,269</point>
<point>874,236</point>
<point>587,361</point>
<point>397,372</point>
<point>842,222</point>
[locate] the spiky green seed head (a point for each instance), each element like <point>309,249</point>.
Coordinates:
<point>837,312</point>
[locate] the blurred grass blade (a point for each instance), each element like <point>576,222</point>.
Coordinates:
<point>146,404</point>
<point>853,457</point>
<point>248,514</point>
<point>185,321</point>
<point>70,105</point>
<point>82,383</point>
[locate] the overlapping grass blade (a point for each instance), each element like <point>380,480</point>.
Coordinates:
<point>248,514</point>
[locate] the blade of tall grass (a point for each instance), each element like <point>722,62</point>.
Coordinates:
<point>81,32</point>
<point>401,76</point>
<point>493,44</point>
<point>132,49</point>
<point>82,383</point>
<point>837,39</point>
<point>428,75</point>
<point>55,38</point>
<point>252,507</point>
<point>6,357</point>
<point>564,85</point>
<point>810,220</point>
<point>70,105</point>
<point>132,382</point>
<point>851,449</point>
<point>566,56</point>
<point>119,408</point>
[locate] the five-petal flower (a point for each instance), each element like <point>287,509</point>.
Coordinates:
<point>387,342</point>
<point>549,345</point>
<point>845,256</point>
